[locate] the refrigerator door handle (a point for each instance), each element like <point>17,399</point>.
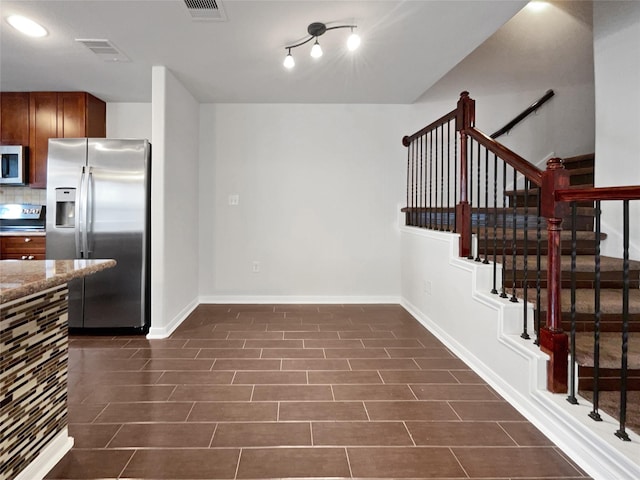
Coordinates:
<point>88,215</point>
<point>79,215</point>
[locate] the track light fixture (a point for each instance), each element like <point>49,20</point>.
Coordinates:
<point>315,30</point>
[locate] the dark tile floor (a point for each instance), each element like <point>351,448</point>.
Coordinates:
<point>275,391</point>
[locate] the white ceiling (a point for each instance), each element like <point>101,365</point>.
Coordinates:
<point>406,47</point>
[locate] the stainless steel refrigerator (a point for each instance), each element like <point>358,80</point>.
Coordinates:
<point>98,206</point>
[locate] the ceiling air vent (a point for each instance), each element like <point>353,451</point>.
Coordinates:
<point>205,9</point>
<point>104,49</point>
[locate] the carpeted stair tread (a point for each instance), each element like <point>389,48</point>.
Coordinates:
<point>610,300</point>
<point>584,263</point>
<point>610,350</point>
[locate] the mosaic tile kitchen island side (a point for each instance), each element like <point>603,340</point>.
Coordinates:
<point>33,372</point>
<point>34,363</point>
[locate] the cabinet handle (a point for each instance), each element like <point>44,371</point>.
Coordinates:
<point>27,240</point>
<point>24,257</point>
<point>30,257</point>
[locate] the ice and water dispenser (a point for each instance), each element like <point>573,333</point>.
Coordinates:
<point>65,207</point>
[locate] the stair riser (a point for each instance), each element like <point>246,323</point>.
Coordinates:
<point>586,285</point>
<point>584,247</point>
<point>582,282</point>
<point>609,379</point>
<point>608,322</point>
<point>582,179</point>
<point>584,223</point>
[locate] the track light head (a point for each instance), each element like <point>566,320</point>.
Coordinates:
<point>289,62</point>
<point>316,50</point>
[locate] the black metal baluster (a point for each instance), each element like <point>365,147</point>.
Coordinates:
<point>430,179</point>
<point>449,176</point>
<point>413,183</point>
<point>435,198</point>
<point>525,259</point>
<point>415,186</point>
<point>486,207</point>
<point>422,183</point>
<point>514,226</point>
<point>572,336</point>
<point>495,223</point>
<point>423,211</point>
<point>442,178</point>
<point>538,268</point>
<point>503,294</point>
<point>621,433</point>
<point>596,330</point>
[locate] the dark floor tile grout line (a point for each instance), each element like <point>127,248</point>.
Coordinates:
<point>186,418</point>
<point>413,392</point>
<point>346,452</point>
<point>114,436</point>
<point>127,464</point>
<point>238,464</point>
<point>404,422</point>
<point>459,462</point>
<point>215,429</point>
<point>366,411</point>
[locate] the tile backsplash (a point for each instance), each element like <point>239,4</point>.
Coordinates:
<point>36,196</point>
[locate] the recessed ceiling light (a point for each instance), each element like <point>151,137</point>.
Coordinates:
<point>537,6</point>
<point>26,26</point>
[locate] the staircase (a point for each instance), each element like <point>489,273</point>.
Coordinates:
<point>456,180</point>
<point>581,171</point>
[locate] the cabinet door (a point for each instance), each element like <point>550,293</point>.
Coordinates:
<point>43,125</point>
<point>96,114</point>
<point>72,121</point>
<point>14,118</point>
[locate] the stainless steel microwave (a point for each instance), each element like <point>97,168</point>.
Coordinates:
<point>13,165</point>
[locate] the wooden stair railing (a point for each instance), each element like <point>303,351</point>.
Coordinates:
<point>501,206</point>
<point>525,113</point>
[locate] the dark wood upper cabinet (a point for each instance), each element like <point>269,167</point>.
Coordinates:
<point>14,118</point>
<point>43,124</point>
<point>81,115</point>
<point>60,115</point>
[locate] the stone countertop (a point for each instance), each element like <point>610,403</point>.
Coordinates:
<point>19,278</point>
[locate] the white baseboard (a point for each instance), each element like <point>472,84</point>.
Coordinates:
<point>300,299</point>
<point>48,457</point>
<point>156,333</point>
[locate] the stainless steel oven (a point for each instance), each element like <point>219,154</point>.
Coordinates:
<point>13,171</point>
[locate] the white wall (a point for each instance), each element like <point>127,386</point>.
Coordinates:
<point>129,120</point>
<point>174,203</point>
<point>319,186</point>
<point>617,60</point>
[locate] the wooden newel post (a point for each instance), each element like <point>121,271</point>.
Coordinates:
<point>553,340</point>
<point>465,118</point>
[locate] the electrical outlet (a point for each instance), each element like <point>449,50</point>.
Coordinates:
<point>234,200</point>
<point>255,267</point>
